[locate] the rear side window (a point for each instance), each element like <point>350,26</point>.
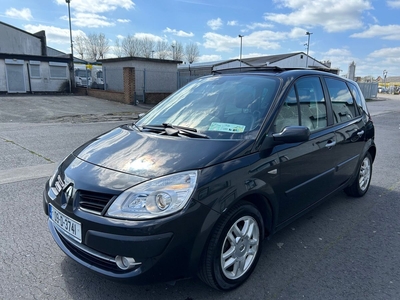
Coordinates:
<point>360,101</point>
<point>342,100</point>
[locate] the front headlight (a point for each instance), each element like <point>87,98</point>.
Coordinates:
<point>155,198</point>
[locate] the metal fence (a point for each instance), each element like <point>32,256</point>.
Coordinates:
<point>185,79</point>
<point>369,89</point>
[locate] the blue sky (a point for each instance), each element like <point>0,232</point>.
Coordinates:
<point>364,31</point>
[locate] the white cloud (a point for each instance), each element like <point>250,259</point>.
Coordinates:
<point>390,32</point>
<point>258,39</point>
<point>123,20</point>
<point>387,53</point>
<point>332,15</point>
<point>180,33</point>
<point>219,42</point>
<point>150,36</point>
<point>297,33</point>
<point>54,35</point>
<point>394,3</point>
<point>24,13</point>
<point>337,52</point>
<point>89,20</point>
<point>98,6</point>
<point>253,26</point>
<point>212,57</point>
<point>232,23</point>
<point>215,24</point>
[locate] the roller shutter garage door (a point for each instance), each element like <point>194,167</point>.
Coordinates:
<point>15,76</point>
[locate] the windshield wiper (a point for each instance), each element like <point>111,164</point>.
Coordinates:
<point>134,124</point>
<point>169,129</point>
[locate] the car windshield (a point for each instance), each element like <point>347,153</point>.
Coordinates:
<point>221,107</point>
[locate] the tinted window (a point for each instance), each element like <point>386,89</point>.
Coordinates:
<point>304,105</point>
<point>359,98</point>
<point>289,113</point>
<point>312,103</point>
<point>342,100</point>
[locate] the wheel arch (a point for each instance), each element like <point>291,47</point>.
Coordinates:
<point>264,207</point>
<point>372,151</point>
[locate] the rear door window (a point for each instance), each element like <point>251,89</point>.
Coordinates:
<point>342,100</point>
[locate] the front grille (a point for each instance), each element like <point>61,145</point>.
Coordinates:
<point>93,202</point>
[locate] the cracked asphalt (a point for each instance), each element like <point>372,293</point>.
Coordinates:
<point>344,249</point>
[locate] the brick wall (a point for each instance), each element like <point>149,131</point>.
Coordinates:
<point>106,95</point>
<point>129,84</point>
<point>154,98</point>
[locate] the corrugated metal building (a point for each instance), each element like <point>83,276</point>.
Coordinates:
<point>27,65</point>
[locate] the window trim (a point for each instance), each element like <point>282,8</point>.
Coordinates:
<point>34,63</point>
<point>334,121</point>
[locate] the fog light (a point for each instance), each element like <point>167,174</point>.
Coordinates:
<point>125,263</point>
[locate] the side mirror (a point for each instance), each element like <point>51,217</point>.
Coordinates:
<point>290,134</point>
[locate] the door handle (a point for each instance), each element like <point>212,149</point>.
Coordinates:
<point>330,144</point>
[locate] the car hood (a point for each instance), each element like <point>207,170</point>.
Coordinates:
<point>150,155</point>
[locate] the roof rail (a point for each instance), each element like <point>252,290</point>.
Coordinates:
<point>268,69</point>
<point>247,69</point>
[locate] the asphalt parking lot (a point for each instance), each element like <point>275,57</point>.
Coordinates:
<point>61,108</point>
<point>345,249</point>
<point>21,163</point>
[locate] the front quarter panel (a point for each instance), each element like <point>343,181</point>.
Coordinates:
<point>247,178</point>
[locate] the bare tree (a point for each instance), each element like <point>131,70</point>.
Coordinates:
<point>177,51</point>
<point>130,46</point>
<point>118,51</point>
<point>162,49</point>
<point>192,53</point>
<point>103,46</point>
<point>80,45</point>
<point>92,46</point>
<point>146,46</point>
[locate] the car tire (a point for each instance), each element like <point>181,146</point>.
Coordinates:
<point>363,179</point>
<point>234,248</point>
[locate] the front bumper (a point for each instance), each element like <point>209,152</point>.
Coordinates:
<point>163,250</point>
<point>106,264</point>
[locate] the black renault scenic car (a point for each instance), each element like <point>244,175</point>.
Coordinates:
<point>196,184</point>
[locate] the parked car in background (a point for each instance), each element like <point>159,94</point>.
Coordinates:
<point>195,185</point>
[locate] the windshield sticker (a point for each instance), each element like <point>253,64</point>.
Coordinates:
<point>226,127</point>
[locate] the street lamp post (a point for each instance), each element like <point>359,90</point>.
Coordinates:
<point>308,46</point>
<point>240,57</point>
<point>72,46</point>
<point>384,78</point>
